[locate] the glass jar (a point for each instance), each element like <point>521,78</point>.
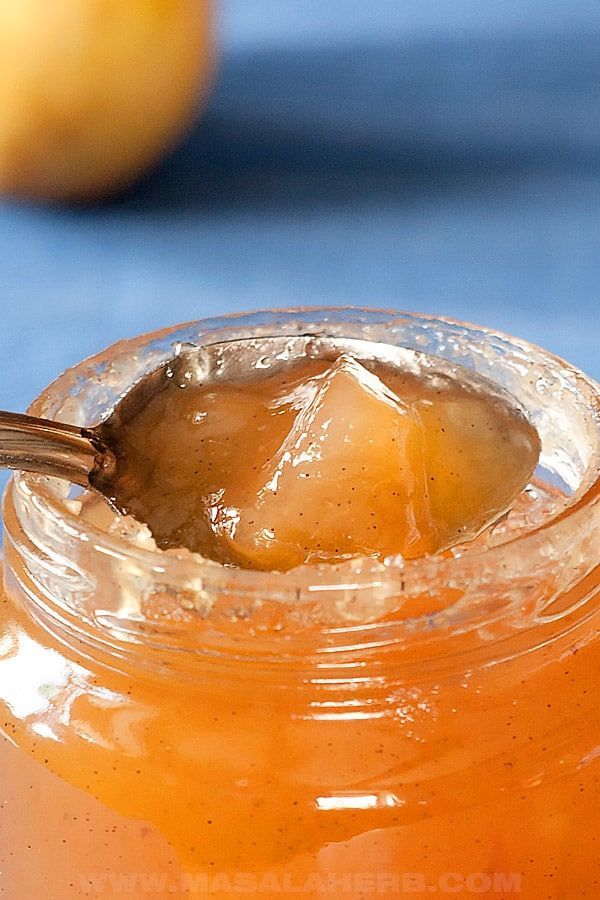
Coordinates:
<point>426,727</point>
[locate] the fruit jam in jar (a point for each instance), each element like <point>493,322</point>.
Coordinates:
<point>362,727</point>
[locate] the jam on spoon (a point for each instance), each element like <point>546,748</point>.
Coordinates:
<point>328,451</point>
<point>320,459</point>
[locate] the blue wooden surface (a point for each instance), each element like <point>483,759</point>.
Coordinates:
<point>443,159</point>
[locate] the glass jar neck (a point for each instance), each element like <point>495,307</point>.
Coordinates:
<point>435,617</point>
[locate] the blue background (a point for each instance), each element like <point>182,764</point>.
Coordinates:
<point>444,159</point>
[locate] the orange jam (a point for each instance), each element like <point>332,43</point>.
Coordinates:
<point>405,720</point>
<point>321,460</point>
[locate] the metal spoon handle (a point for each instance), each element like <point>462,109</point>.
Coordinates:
<point>49,448</point>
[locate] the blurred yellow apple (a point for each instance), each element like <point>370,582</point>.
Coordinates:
<point>92,92</point>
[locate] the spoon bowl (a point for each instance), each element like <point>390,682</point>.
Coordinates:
<point>94,457</point>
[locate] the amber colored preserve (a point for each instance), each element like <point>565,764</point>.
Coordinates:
<point>318,459</point>
<point>397,728</point>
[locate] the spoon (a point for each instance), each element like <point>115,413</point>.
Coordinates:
<point>91,457</point>
<point>78,455</point>
<point>88,457</point>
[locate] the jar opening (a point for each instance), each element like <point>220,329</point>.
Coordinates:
<point>122,586</point>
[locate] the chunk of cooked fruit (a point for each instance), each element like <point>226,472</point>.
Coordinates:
<point>347,480</point>
<point>479,455</point>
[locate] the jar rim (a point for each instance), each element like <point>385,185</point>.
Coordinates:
<point>358,573</point>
